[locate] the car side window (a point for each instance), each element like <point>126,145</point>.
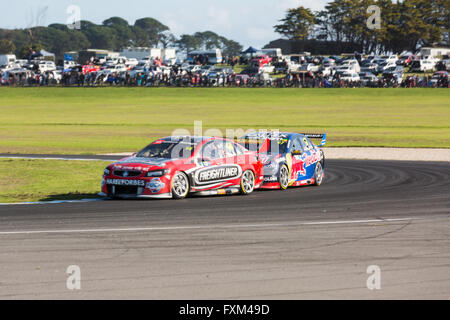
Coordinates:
<point>239,149</point>
<point>296,144</point>
<point>222,149</point>
<point>230,149</point>
<point>306,144</point>
<point>209,151</point>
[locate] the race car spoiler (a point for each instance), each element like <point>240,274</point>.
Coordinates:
<point>317,136</point>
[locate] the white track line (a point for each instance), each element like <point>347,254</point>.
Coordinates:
<point>58,158</point>
<point>231,226</point>
<point>51,202</point>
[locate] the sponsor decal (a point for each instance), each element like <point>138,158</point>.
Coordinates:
<point>156,185</point>
<point>216,174</point>
<point>315,157</point>
<point>270,179</point>
<point>124,182</point>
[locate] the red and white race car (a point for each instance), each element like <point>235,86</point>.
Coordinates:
<point>173,167</point>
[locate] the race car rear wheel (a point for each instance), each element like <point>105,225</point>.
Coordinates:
<point>284,177</point>
<point>318,174</point>
<point>247,182</point>
<point>180,186</point>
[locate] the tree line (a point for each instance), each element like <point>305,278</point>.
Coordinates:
<point>404,25</point>
<point>113,34</point>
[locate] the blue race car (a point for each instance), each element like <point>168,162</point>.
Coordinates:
<point>290,159</point>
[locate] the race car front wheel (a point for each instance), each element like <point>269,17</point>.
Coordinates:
<point>180,186</point>
<point>318,174</point>
<point>284,177</point>
<point>247,182</point>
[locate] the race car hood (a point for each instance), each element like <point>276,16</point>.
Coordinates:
<point>131,161</point>
<point>145,164</point>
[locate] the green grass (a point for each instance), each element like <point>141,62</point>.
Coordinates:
<point>106,120</point>
<point>46,180</point>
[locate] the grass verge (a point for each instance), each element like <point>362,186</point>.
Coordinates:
<point>105,120</point>
<point>25,180</point>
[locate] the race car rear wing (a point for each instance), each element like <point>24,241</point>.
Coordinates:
<point>317,136</point>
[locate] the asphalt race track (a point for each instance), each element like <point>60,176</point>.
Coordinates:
<point>303,243</point>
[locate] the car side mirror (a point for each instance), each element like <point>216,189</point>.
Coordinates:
<point>297,153</point>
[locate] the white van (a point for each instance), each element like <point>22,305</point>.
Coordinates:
<point>214,56</point>
<point>7,59</point>
<point>423,65</point>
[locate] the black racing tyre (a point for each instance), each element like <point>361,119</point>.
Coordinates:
<point>318,174</point>
<point>284,177</point>
<point>247,182</point>
<point>180,185</point>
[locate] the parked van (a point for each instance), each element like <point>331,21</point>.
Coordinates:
<point>7,60</point>
<point>422,65</point>
<point>214,56</point>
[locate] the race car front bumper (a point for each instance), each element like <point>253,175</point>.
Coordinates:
<point>156,188</point>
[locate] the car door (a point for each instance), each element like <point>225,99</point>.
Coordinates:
<point>216,165</point>
<point>311,157</point>
<point>298,155</point>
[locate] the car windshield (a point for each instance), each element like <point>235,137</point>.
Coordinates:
<point>169,149</point>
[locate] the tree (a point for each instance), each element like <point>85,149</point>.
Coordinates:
<point>7,46</point>
<point>27,49</point>
<point>298,24</point>
<point>189,43</point>
<point>125,34</point>
<point>209,40</point>
<point>231,47</point>
<point>167,39</point>
<point>148,31</point>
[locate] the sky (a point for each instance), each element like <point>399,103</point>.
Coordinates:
<point>249,22</point>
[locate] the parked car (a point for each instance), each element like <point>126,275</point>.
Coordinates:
<point>437,76</point>
<point>443,65</point>
<point>311,67</point>
<point>367,78</point>
<point>354,77</point>
<point>385,65</point>
<point>372,67</point>
<point>45,66</point>
<point>390,58</point>
<point>406,60</point>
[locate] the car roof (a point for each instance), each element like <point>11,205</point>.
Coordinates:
<point>269,134</point>
<point>191,139</point>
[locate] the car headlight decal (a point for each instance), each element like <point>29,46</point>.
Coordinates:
<point>157,173</point>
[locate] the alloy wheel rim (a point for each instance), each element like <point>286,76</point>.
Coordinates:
<point>180,185</point>
<point>248,182</point>
<point>319,173</point>
<point>284,177</point>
